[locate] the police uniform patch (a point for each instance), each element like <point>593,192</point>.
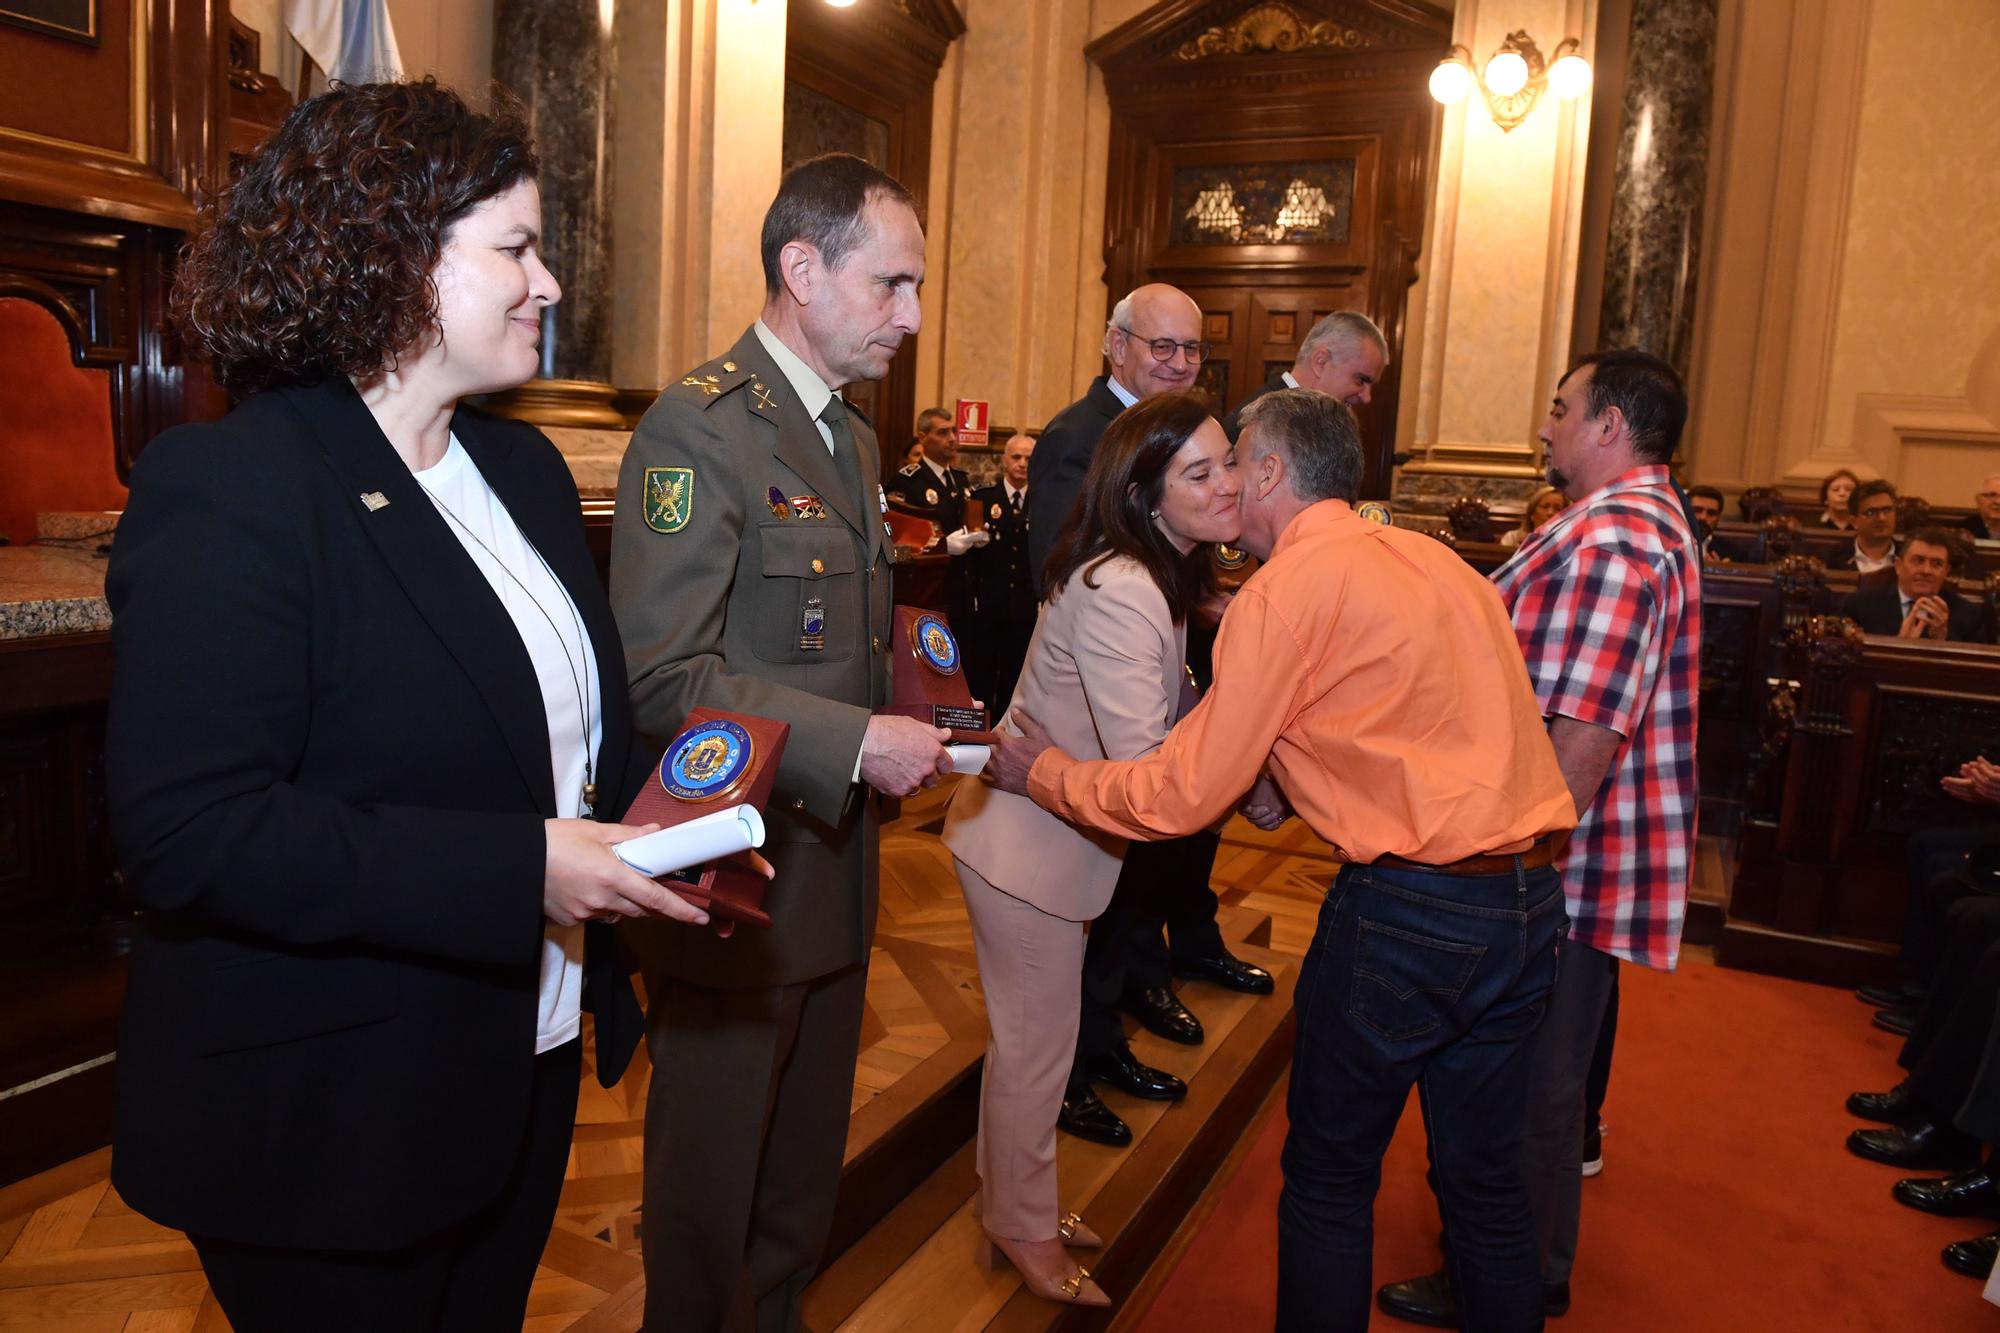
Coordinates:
<point>669,498</point>
<point>907,470</point>
<point>930,497</point>
<point>994,511</point>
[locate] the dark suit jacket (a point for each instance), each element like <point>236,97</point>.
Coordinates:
<point>1056,471</point>
<point>1232,425</point>
<point>711,611</point>
<point>1002,587</point>
<point>914,483</point>
<point>1880,611</point>
<point>328,771</point>
<point>1975,526</point>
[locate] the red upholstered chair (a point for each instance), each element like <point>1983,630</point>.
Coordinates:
<point>57,448</point>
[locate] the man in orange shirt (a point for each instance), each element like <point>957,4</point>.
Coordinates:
<point>1369,679</point>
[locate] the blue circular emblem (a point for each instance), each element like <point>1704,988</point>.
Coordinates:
<point>1375,512</point>
<point>934,646</point>
<point>706,761</point>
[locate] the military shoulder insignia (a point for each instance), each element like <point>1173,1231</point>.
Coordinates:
<point>908,469</point>
<point>712,382</point>
<point>669,498</point>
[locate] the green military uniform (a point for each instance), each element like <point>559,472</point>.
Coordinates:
<point>749,572</point>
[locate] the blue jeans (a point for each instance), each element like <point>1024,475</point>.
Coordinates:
<point>1437,980</point>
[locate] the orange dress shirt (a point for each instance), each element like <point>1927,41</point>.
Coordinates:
<point>1378,676</point>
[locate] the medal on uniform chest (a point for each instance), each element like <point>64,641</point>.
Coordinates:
<point>809,506</point>
<point>776,499</point>
<point>930,496</point>
<point>995,511</point>
<point>812,626</point>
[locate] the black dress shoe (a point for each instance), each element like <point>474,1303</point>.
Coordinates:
<point>1901,1020</point>
<point>1227,971</point>
<point>1430,1301</point>
<point>1918,1143</point>
<point>1119,1068</point>
<point>1161,1013</point>
<point>1969,1193</point>
<point>1889,1108</point>
<point>1888,997</point>
<point>1087,1117</point>
<point>1974,1258</point>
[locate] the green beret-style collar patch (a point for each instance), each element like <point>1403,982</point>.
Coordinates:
<point>669,498</point>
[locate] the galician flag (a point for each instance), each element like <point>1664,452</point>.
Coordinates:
<point>351,40</point>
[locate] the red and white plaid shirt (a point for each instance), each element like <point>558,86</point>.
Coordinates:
<point>1606,601</point>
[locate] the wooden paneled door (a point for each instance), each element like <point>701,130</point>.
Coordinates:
<point>1271,159</point>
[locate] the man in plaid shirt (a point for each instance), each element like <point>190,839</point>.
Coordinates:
<point>1606,602</point>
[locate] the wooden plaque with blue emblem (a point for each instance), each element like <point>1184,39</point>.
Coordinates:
<point>719,760</point>
<point>929,682</point>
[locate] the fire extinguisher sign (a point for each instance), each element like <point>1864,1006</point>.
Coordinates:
<point>974,420</point>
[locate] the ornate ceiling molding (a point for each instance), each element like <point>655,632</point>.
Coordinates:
<point>1272,28</point>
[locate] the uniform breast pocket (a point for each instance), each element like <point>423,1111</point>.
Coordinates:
<point>812,596</point>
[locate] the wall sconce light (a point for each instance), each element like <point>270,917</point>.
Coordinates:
<point>1515,77</point>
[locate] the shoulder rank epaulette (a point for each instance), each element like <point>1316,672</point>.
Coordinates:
<point>712,382</point>
<point>908,469</point>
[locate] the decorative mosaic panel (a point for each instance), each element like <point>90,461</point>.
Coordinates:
<point>1264,203</point>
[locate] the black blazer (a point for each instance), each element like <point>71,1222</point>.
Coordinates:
<point>328,770</point>
<point>1880,611</point>
<point>1001,583</point>
<point>1232,425</point>
<point>1056,471</point>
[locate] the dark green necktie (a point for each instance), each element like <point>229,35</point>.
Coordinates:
<point>845,456</point>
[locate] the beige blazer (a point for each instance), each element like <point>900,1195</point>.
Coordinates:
<point>1103,678</point>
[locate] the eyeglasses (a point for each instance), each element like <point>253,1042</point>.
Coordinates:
<point>1878,511</point>
<point>1163,348</point>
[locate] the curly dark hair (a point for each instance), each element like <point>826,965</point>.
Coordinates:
<point>317,260</point>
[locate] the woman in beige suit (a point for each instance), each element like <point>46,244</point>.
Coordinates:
<point>1103,677</point>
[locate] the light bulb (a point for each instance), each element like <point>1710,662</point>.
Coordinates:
<point>1451,81</point>
<point>1506,74</point>
<point>1569,77</point>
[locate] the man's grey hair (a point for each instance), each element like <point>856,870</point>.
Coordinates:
<point>1315,434</point>
<point>1342,333</point>
<point>1121,318</point>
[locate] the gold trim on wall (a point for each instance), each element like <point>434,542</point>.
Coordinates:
<point>140,87</point>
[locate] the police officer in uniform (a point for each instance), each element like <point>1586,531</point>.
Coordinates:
<point>930,485</point>
<point>1003,588</point>
<point>749,572</point>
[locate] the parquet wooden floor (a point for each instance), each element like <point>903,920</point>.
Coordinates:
<point>75,1259</point>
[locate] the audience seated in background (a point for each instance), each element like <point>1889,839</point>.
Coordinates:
<point>1985,524</point>
<point>1706,503</point>
<point>1940,1116</point>
<point>1543,505</point>
<point>1835,495</point>
<point>1937,863</point>
<point>1916,605</point>
<point>1873,505</point>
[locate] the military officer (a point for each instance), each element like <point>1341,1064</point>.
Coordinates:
<point>749,572</point>
<point>1003,590</point>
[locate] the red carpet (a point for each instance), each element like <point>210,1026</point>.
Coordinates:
<point>1727,1200</point>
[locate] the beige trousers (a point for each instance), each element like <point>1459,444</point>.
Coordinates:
<point>1031,968</point>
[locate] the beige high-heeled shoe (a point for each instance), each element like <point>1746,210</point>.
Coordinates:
<point>1073,1233</point>
<point>1076,1288</point>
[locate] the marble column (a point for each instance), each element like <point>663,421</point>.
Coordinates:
<point>558,57</point>
<point>1653,253</point>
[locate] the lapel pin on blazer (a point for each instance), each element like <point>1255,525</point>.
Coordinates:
<point>374,500</point>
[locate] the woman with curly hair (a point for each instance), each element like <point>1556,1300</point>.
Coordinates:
<point>368,716</point>
<point>1836,489</point>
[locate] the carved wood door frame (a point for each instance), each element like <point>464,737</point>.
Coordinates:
<point>1243,85</point>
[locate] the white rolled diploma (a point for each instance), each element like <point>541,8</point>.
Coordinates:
<point>722,833</point>
<point>967,757</point>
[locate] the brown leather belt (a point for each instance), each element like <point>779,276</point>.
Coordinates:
<point>1541,853</point>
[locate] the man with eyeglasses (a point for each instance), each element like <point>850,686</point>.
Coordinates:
<point>1153,343</point>
<point>1873,505</point>
<point>1985,525</point>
